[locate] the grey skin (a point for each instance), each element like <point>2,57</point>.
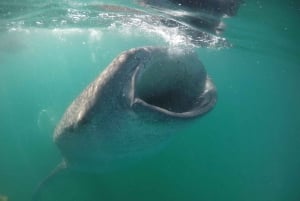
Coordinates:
<point>216,7</point>
<point>133,108</point>
<point>203,15</point>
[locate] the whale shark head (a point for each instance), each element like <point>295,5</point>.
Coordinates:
<point>135,105</point>
<point>173,83</point>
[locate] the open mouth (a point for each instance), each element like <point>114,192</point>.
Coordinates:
<point>177,87</point>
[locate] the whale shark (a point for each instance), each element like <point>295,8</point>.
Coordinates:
<point>133,108</point>
<point>118,115</point>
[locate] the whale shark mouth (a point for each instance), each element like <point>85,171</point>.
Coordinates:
<point>174,87</point>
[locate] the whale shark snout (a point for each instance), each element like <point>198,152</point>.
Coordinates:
<point>133,107</point>
<point>176,85</point>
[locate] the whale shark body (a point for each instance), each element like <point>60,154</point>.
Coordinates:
<point>132,109</point>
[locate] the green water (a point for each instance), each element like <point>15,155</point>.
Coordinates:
<point>246,149</point>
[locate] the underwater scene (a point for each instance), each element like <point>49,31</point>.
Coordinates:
<point>149,100</point>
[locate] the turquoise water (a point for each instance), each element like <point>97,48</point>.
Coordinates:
<point>246,149</point>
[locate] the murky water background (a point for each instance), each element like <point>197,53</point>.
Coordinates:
<point>247,148</point>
